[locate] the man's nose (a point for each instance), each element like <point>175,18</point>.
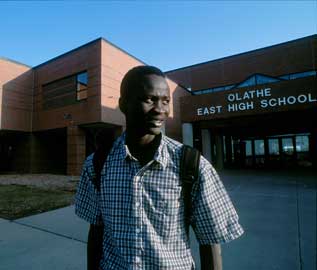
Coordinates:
<point>160,107</point>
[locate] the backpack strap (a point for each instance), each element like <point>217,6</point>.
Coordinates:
<point>189,171</point>
<point>98,160</point>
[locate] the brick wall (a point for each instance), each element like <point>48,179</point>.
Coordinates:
<point>86,58</point>
<point>290,57</point>
<point>16,86</point>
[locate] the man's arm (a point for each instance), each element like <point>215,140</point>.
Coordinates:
<point>210,257</point>
<point>94,246</point>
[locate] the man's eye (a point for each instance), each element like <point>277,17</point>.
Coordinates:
<point>166,101</point>
<point>148,100</point>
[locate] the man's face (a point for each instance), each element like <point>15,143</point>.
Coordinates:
<point>147,107</point>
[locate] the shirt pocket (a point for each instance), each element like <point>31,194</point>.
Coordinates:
<point>167,212</point>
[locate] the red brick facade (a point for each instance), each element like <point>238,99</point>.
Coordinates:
<point>44,128</point>
<point>29,104</point>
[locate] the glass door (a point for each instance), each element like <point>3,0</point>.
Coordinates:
<point>259,152</point>
<point>274,157</point>
<point>302,151</point>
<point>288,151</point>
<point>248,153</point>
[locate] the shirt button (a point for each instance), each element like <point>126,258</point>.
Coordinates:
<point>137,204</point>
<point>138,260</point>
<point>138,230</point>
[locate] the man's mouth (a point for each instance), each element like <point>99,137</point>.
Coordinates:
<point>156,123</point>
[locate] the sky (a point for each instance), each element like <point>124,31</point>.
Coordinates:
<point>167,34</point>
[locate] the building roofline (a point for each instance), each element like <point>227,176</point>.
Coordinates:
<point>114,45</point>
<point>239,54</point>
<point>86,45</point>
<point>181,86</point>
<point>68,52</point>
<point>14,61</point>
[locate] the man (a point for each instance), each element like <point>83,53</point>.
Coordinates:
<point>140,202</point>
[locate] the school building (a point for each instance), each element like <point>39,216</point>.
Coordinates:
<point>252,110</point>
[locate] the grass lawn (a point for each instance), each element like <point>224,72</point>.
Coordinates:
<point>20,201</point>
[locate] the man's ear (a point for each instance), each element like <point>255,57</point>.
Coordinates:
<point>122,105</point>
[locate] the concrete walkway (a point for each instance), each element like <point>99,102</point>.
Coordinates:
<point>277,211</point>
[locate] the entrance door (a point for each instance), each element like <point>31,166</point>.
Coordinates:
<point>280,151</point>
<point>259,153</point>
<point>288,153</point>
<point>274,153</point>
<point>6,154</point>
<point>302,151</point>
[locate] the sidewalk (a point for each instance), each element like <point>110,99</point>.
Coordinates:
<point>54,240</point>
<point>277,211</point>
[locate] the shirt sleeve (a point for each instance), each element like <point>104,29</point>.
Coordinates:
<point>87,199</point>
<point>214,218</point>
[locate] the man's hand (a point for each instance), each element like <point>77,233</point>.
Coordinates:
<point>210,257</point>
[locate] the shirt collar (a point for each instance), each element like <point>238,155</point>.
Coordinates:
<point>160,156</point>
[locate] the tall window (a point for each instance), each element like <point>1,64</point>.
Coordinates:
<point>248,148</point>
<point>259,147</point>
<point>274,146</point>
<point>302,143</point>
<point>287,146</point>
<point>82,81</point>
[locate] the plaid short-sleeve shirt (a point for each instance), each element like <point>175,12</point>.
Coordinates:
<point>142,209</point>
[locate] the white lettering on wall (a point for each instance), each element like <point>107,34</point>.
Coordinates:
<point>209,110</point>
<point>290,100</point>
<point>243,106</point>
<point>251,94</point>
<point>252,99</point>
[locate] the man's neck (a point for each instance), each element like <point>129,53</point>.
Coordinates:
<point>139,140</point>
<point>143,148</point>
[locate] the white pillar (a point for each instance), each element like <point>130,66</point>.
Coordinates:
<point>188,134</point>
<point>206,144</point>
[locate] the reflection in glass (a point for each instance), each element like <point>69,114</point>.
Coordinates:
<point>287,146</point>
<point>248,82</point>
<point>259,147</point>
<point>273,147</point>
<point>82,81</point>
<point>302,144</point>
<point>262,79</point>
<point>248,148</point>
<point>82,78</point>
<point>302,74</point>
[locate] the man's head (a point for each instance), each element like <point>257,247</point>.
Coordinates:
<point>144,99</point>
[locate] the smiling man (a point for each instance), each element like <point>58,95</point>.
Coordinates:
<point>137,217</point>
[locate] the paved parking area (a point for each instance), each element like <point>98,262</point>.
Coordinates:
<point>277,211</point>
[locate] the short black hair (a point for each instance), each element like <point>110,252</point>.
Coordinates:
<point>134,77</point>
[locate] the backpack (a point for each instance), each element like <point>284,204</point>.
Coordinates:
<point>189,171</point>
